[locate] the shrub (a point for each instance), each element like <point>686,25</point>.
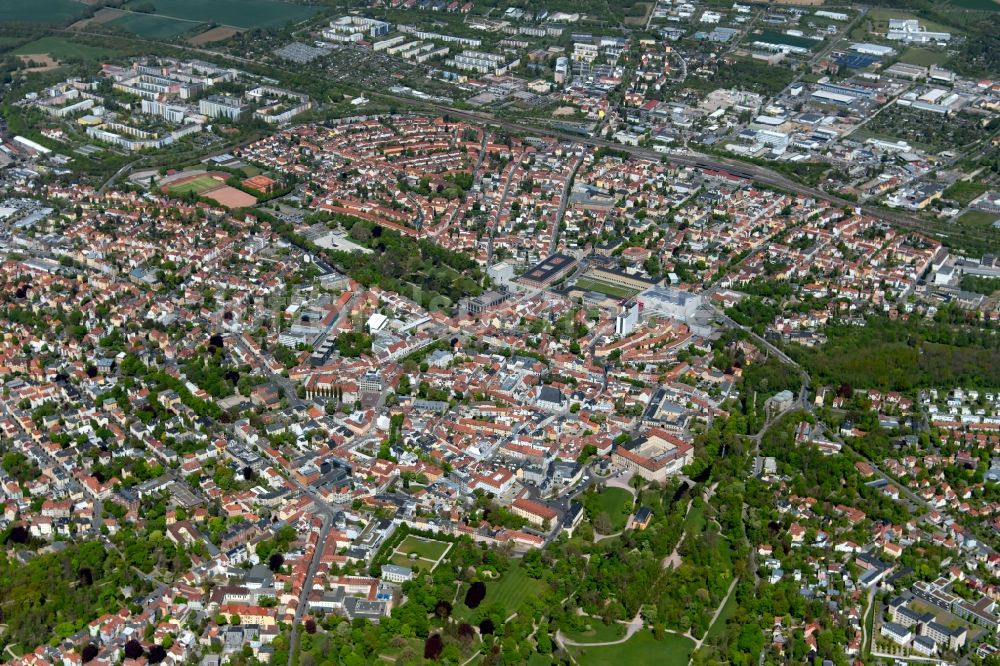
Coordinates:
<point>433,647</point>
<point>475,595</point>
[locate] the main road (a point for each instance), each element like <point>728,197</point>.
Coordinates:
<point>307,585</point>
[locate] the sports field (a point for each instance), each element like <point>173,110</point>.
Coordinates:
<point>152,26</point>
<point>40,11</point>
<point>230,197</point>
<point>197,185</point>
<point>240,13</point>
<point>616,291</point>
<point>640,650</point>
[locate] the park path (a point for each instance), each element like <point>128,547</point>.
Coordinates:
<point>718,612</point>
<point>602,537</point>
<point>673,560</point>
<point>631,627</point>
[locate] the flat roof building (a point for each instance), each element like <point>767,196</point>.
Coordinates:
<point>548,271</point>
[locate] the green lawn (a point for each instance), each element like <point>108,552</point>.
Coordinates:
<point>40,11</point>
<point>62,49</point>
<point>923,57</point>
<point>9,42</point>
<point>880,16</point>
<point>239,13</point>
<point>640,650</point>
<point>598,633</point>
<point>425,548</point>
<point>965,191</point>
<point>404,561</point>
<point>694,522</point>
<point>510,591</point>
<point>978,220</point>
<point>617,502</point>
<point>588,284</point>
<point>720,622</point>
<point>152,26</point>
<point>870,628</point>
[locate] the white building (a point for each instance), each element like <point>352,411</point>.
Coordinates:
<point>222,106</point>
<point>355,29</point>
<point>394,573</point>
<point>501,273</point>
<point>170,112</point>
<point>670,302</point>
<point>911,32</point>
<point>627,319</point>
<point>879,50</point>
<point>897,633</point>
<point>562,69</point>
<point>583,52</point>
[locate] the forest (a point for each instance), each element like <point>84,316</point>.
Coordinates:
<point>55,595</point>
<point>897,355</point>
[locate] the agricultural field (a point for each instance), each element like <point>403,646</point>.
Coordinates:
<point>55,12</point>
<point>217,34</point>
<point>239,13</point>
<point>60,48</point>
<point>978,5</point>
<point>152,26</point>
<point>103,15</point>
<point>640,650</point>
